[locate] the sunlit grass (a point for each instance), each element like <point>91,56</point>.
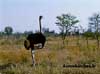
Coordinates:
<point>51,58</point>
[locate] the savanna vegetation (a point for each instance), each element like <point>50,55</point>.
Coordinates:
<point>73,45</point>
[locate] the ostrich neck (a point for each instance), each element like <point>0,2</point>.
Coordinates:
<point>40,24</point>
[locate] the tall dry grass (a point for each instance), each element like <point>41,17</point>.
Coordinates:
<point>51,58</point>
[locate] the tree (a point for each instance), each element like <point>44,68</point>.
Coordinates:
<point>8,30</point>
<point>65,22</point>
<point>94,22</point>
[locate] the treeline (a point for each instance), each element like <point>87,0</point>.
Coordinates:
<point>68,25</point>
<point>8,32</point>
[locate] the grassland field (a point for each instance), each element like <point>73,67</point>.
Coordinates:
<point>15,59</point>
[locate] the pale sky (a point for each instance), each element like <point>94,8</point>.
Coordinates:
<point>23,15</point>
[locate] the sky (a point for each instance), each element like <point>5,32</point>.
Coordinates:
<point>22,15</point>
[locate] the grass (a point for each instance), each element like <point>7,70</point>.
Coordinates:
<point>50,59</point>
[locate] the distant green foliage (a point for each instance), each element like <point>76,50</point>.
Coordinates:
<point>8,30</point>
<point>89,34</point>
<point>47,32</point>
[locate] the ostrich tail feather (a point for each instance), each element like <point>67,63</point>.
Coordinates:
<point>27,44</point>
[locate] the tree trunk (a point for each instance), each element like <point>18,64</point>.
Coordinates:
<point>87,42</point>
<point>97,42</point>
<point>78,40</point>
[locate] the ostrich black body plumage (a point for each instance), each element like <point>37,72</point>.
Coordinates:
<point>36,38</point>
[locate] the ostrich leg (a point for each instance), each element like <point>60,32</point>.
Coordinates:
<point>33,56</point>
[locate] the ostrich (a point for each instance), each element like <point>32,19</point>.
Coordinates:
<point>33,39</point>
